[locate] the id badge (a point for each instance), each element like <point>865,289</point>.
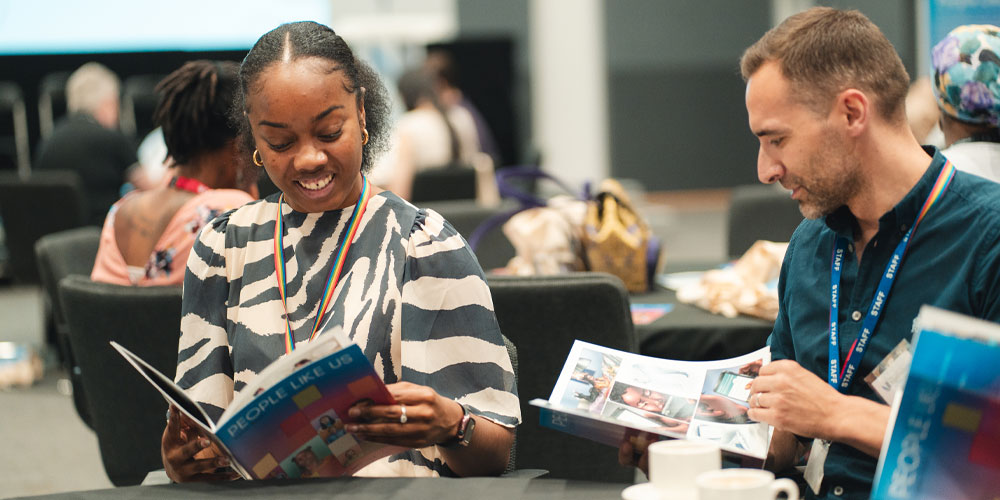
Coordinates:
<point>889,376</point>
<point>814,466</point>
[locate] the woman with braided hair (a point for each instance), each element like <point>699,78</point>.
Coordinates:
<point>147,235</point>
<point>332,249</point>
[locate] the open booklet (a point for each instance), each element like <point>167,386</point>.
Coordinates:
<point>611,396</point>
<point>289,421</point>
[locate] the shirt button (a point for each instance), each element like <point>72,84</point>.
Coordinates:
<point>850,247</point>
<point>856,315</point>
<point>837,490</point>
<point>902,228</point>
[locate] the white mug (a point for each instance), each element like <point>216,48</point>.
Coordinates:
<point>743,484</point>
<point>674,464</point>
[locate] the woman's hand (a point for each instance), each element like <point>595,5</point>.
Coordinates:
<point>430,418</point>
<point>433,419</point>
<point>188,455</point>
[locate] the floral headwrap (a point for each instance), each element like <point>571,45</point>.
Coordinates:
<point>967,74</point>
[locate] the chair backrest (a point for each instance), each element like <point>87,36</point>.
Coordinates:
<point>139,99</point>
<point>494,249</point>
<point>760,212</point>
<point>14,141</point>
<point>51,101</point>
<point>127,412</point>
<point>542,316</point>
<point>452,182</point>
<point>59,255</point>
<point>43,203</point>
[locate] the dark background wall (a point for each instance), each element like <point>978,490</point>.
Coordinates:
<point>675,92</point>
<point>506,20</point>
<point>676,111</point>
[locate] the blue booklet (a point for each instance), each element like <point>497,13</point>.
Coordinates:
<point>289,422</point>
<point>944,434</point>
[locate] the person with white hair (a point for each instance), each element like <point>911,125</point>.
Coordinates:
<point>88,141</point>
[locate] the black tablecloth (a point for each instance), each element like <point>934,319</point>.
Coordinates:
<point>693,334</point>
<point>368,488</point>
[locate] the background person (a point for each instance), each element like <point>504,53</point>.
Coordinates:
<point>148,235</point>
<point>411,294</point>
<point>88,141</point>
<point>427,135</point>
<point>967,87</point>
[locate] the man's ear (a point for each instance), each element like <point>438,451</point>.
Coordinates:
<point>854,109</point>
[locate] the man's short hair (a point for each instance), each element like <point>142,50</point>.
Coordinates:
<point>823,51</point>
<point>89,86</point>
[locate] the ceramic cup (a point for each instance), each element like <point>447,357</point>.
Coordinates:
<point>674,464</point>
<point>743,484</point>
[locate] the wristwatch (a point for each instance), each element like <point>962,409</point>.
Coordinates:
<point>465,428</point>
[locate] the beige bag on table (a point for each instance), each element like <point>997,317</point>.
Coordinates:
<point>617,240</point>
<point>741,288</point>
<point>546,239</point>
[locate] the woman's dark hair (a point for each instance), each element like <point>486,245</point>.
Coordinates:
<point>193,108</point>
<point>311,39</point>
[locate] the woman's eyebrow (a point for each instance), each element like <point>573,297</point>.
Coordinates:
<point>326,111</point>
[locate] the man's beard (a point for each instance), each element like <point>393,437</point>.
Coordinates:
<point>832,178</point>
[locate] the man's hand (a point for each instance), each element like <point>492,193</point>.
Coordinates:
<point>792,399</point>
<point>795,400</point>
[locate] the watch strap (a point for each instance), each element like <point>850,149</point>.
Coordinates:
<point>465,428</point>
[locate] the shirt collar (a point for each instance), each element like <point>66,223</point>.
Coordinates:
<point>843,222</point>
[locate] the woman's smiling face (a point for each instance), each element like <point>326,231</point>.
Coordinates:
<point>307,126</point>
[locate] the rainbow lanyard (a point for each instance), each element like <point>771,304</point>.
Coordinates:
<point>338,263</point>
<point>881,295</point>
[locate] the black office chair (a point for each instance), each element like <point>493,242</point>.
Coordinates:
<point>31,207</point>
<point>59,255</point>
<point>493,249</point>
<point>51,101</point>
<point>760,212</point>
<point>139,99</point>
<point>126,411</point>
<point>542,316</point>
<point>452,182</point>
<point>14,145</point>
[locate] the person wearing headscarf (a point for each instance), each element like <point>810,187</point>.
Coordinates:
<point>967,88</point>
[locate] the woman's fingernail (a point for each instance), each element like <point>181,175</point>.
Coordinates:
<point>352,428</point>
<point>204,443</point>
<point>222,462</point>
<point>354,413</point>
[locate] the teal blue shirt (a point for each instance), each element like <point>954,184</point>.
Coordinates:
<point>952,262</point>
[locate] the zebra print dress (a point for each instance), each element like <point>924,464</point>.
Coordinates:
<point>407,266</point>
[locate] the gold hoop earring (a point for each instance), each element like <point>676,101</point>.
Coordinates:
<point>257,160</point>
<point>364,136</point>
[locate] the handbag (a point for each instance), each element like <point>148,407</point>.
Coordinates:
<point>575,232</point>
<point>617,240</point>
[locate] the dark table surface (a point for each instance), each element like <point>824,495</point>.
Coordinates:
<point>693,334</point>
<point>480,488</point>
